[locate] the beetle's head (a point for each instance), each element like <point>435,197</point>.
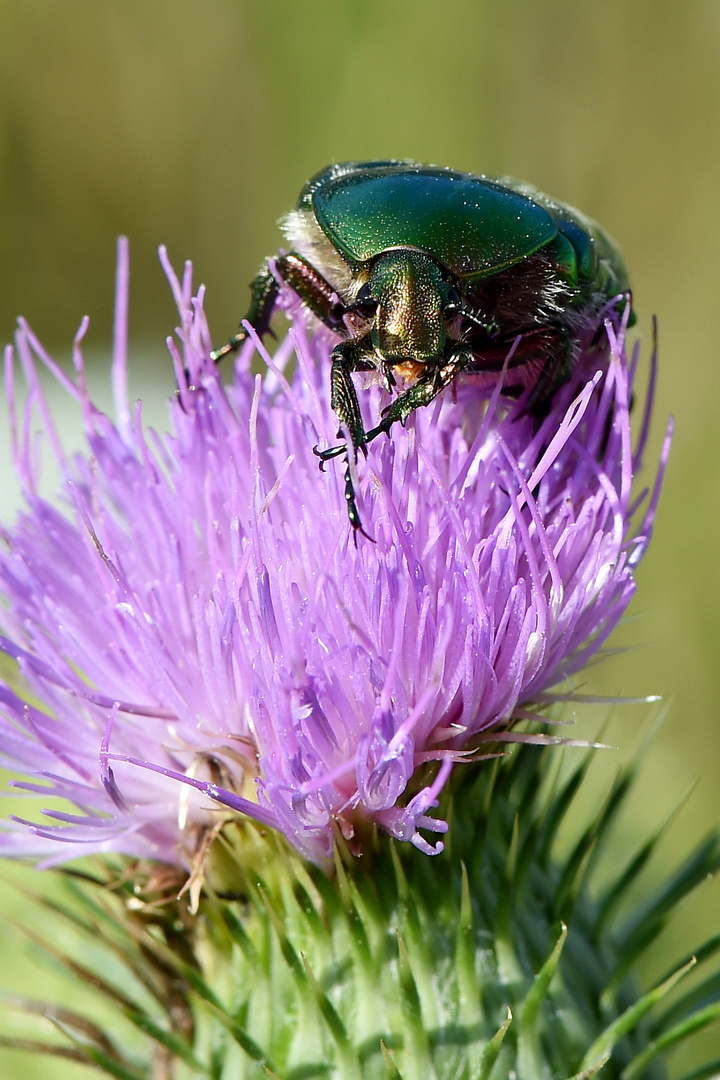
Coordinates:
<point>410,293</point>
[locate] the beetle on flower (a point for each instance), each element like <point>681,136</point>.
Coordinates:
<point>427,273</point>
<point>193,634</point>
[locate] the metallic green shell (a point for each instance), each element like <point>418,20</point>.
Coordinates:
<point>473,226</point>
<point>599,262</point>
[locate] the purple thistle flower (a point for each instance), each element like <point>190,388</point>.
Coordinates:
<point>195,629</point>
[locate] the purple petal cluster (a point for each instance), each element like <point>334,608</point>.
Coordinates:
<point>193,631</point>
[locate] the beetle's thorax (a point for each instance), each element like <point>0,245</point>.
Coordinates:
<point>411,294</point>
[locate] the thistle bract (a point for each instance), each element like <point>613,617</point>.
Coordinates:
<point>195,632</point>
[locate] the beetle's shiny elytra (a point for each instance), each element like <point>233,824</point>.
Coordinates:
<point>425,273</point>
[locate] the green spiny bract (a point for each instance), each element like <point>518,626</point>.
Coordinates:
<point>492,961</point>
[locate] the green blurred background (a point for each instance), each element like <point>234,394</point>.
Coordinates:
<point>195,124</point>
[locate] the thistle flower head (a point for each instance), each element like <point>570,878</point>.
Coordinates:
<point>195,631</point>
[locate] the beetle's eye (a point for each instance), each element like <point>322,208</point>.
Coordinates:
<point>454,304</point>
<point>365,304</point>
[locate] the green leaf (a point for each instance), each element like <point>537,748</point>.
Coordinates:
<point>172,1042</point>
<point>348,1059</point>
<point>615,893</point>
<point>416,1057</point>
<point>628,1020</point>
<point>696,1022</point>
<point>490,1054</point>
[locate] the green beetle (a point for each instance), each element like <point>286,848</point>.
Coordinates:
<point>424,273</point>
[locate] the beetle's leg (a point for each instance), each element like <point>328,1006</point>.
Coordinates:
<point>352,510</point>
<point>315,292</point>
<point>422,393</point>
<point>264,291</point>
<point>545,353</point>
<point>304,280</point>
<point>347,357</point>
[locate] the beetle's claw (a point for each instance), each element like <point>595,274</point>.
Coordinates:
<point>352,510</point>
<point>231,346</point>
<point>328,453</point>
<point>384,426</point>
<point>357,528</point>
